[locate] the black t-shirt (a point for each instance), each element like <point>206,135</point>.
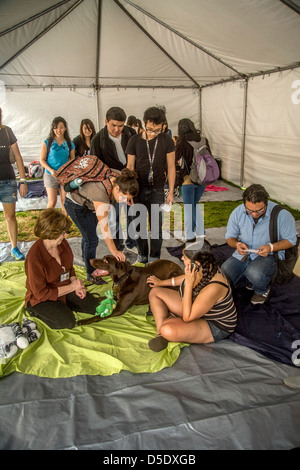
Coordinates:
<point>81,148</point>
<point>137,146</point>
<point>6,169</point>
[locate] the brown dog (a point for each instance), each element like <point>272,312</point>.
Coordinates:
<point>130,282</point>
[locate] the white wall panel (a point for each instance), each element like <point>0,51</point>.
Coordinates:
<point>222,124</point>
<point>272,155</point>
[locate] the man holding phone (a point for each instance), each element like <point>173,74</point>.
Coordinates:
<point>253,262</point>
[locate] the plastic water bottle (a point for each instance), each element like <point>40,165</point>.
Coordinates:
<point>76,183</point>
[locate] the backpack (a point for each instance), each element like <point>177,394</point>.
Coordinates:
<point>284,272</point>
<point>88,168</point>
<point>35,170</point>
<point>204,168</point>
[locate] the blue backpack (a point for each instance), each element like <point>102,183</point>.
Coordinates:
<point>204,168</point>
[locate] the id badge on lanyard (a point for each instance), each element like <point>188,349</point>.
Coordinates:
<point>151,160</point>
<point>65,276</point>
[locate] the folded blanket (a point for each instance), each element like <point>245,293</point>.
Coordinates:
<point>104,348</point>
<point>212,187</point>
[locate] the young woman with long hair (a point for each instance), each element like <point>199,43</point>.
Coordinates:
<point>202,311</point>
<point>55,152</point>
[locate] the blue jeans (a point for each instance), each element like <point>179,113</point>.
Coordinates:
<point>8,191</point>
<point>193,220</point>
<point>151,199</point>
<point>257,271</point>
<point>86,221</point>
<point>130,242</point>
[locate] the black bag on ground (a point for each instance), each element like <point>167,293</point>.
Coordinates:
<point>284,272</point>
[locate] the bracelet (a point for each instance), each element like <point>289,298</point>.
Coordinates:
<point>23,182</point>
<point>272,247</point>
<point>173,282</point>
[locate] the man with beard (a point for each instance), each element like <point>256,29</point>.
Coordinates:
<point>253,264</point>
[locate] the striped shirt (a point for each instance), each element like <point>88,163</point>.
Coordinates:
<point>223,314</point>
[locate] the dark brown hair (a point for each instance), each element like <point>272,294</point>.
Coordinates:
<point>50,224</point>
<point>89,124</point>
<point>207,261</point>
<point>127,182</point>
<point>51,136</point>
<point>255,193</point>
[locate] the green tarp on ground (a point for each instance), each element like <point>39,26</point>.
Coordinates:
<point>104,348</point>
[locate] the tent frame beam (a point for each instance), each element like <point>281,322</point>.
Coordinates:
<point>98,61</point>
<point>156,43</point>
<point>34,17</point>
<point>253,75</point>
<point>185,38</point>
<point>36,38</point>
<point>94,87</point>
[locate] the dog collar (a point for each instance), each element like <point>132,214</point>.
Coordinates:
<point>121,279</point>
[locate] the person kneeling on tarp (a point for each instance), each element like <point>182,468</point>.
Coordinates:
<point>53,290</point>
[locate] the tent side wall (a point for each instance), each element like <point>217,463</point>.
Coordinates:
<point>29,112</point>
<point>272,132</point>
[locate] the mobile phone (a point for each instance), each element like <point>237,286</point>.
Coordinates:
<point>251,251</point>
<point>194,265</point>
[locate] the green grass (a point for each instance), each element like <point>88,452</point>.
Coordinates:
<point>216,214</point>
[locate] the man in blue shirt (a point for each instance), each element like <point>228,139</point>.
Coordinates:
<point>253,262</point>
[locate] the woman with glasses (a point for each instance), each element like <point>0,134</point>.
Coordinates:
<point>53,290</point>
<point>149,154</point>
<point>252,262</point>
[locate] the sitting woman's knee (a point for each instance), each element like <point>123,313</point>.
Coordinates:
<point>154,293</point>
<point>168,332</point>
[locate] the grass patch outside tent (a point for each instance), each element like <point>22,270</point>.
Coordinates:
<point>216,214</point>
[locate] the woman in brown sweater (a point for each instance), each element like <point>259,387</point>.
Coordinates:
<point>53,290</point>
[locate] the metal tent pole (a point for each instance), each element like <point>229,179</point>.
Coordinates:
<point>244,133</point>
<point>97,89</point>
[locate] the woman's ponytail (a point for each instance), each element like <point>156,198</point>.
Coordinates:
<point>127,182</point>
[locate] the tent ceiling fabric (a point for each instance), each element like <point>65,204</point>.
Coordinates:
<point>232,66</point>
<point>206,41</point>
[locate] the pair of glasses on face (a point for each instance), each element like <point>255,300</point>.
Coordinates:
<point>259,211</point>
<point>153,131</point>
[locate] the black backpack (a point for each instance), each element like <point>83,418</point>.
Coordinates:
<point>284,272</point>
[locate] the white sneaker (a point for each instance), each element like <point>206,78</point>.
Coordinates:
<point>259,298</point>
<point>132,250</point>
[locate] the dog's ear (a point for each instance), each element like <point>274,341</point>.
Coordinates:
<point>122,267</point>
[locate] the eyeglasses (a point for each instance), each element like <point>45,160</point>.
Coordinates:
<point>259,211</point>
<point>153,131</point>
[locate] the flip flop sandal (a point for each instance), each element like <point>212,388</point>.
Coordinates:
<point>97,280</point>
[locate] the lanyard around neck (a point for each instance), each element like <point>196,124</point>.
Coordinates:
<point>151,157</point>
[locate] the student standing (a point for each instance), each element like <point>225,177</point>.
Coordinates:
<point>55,152</point>
<point>149,154</point>
<point>109,144</point>
<point>82,141</point>
<point>8,184</point>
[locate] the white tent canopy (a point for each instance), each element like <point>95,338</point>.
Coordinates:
<point>232,66</point>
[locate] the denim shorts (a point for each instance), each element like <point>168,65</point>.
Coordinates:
<point>8,191</point>
<point>216,332</point>
<point>50,181</point>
